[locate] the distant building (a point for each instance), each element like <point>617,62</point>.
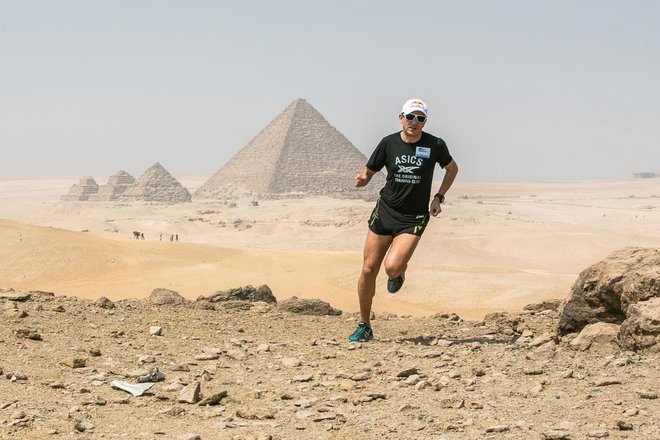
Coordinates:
<point>646,175</point>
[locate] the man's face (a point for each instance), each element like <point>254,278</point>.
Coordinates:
<point>412,127</point>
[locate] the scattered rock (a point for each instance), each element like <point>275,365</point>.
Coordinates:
<point>214,399</point>
<point>308,307</point>
<point>74,362</point>
<point>105,303</point>
<point>28,333</point>
<point>598,338</point>
<point>624,426</point>
<point>247,293</point>
<point>190,393</point>
<point>166,296</point>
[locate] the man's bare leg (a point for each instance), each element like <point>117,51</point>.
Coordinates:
<point>375,248</point>
<point>402,249</point>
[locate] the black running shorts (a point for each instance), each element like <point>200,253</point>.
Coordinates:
<point>386,221</point>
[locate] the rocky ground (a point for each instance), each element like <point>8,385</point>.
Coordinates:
<point>239,370</point>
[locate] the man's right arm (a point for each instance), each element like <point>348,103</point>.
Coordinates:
<point>363,177</point>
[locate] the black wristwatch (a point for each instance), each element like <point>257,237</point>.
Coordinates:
<point>440,197</point>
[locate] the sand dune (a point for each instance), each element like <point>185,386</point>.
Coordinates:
<point>496,246</point>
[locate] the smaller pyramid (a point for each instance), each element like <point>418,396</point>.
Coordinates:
<point>115,187</point>
<point>81,191</point>
<point>156,185</point>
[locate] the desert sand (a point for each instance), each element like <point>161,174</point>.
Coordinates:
<point>496,246</point>
<point>257,371</point>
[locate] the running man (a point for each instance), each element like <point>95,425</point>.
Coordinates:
<point>402,211</point>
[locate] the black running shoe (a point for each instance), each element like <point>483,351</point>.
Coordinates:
<point>362,334</point>
<point>394,284</point>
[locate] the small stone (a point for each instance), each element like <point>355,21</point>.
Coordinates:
<point>647,394</point>
<point>598,434</point>
<point>174,386</point>
<point>346,385</point>
<point>361,376</point>
<point>324,417</point>
<point>291,362</point>
<point>190,393</point>
<point>303,378</point>
<point>174,411</point>
<point>236,354</point>
<point>214,399</point>
<point>75,362</point>
<point>155,375</point>
<point>498,428</point>
<point>156,331</point>
<point>407,373</point>
<point>556,435</point>
<point>83,425</point>
<point>207,357</point>
<point>431,354</point>
<point>303,414</point>
<point>535,390</point>
<point>455,374</point>
<point>412,380</point>
<point>624,426</point>
<point>189,437</point>
<point>105,303</point>
<point>543,339</point>
<point>28,333</point>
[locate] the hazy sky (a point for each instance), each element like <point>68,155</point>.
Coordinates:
<point>520,90</point>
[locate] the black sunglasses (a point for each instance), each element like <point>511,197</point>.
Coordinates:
<point>411,116</point>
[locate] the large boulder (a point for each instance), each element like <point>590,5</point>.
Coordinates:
<point>604,291</point>
<point>623,289</point>
<point>308,307</point>
<point>165,296</point>
<point>247,293</point>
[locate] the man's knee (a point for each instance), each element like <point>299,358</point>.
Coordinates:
<point>394,268</point>
<point>369,270</point>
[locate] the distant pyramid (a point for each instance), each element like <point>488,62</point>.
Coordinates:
<point>81,191</point>
<point>156,185</point>
<point>115,187</point>
<point>298,154</point>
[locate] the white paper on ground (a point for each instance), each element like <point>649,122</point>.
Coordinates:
<point>136,390</point>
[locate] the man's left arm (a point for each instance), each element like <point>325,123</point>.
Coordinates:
<point>451,170</point>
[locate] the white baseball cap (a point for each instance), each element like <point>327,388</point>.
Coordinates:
<point>415,104</point>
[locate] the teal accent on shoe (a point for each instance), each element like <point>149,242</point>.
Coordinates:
<point>363,333</point>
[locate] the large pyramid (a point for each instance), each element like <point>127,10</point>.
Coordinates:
<point>298,154</point>
<point>156,185</point>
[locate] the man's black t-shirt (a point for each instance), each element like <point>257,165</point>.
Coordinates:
<point>409,170</point>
